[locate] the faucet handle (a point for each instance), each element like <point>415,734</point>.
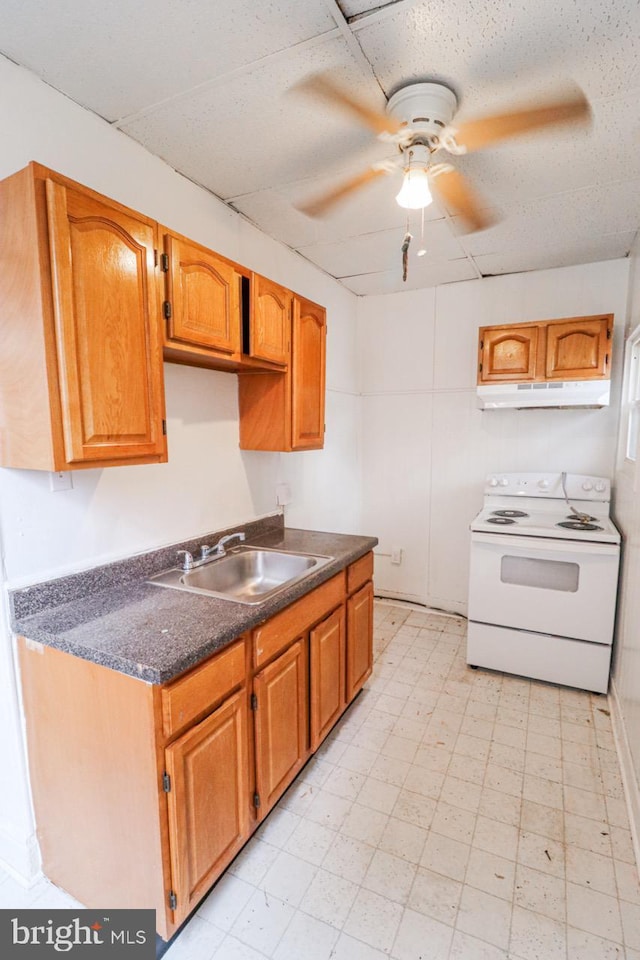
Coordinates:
<point>205,550</point>
<point>188,560</point>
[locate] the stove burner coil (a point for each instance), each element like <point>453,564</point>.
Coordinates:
<point>579,525</point>
<point>501,521</point>
<point>583,518</point>
<point>509,513</point>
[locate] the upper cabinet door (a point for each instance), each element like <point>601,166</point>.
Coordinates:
<point>578,349</point>
<point>308,375</point>
<point>106,301</point>
<point>203,291</point>
<point>270,335</point>
<point>508,353</point>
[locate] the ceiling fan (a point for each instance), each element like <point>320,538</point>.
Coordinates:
<point>419,121</point>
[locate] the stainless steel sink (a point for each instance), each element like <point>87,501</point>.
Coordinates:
<point>245,574</point>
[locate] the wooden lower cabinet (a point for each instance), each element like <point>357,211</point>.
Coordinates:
<point>280,711</point>
<point>161,785</point>
<point>359,639</point>
<point>328,695</point>
<point>207,801</point>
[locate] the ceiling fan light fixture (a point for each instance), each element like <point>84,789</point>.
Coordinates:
<point>415,193</point>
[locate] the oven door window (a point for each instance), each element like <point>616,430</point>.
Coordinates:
<point>542,573</point>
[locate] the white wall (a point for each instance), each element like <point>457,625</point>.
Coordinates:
<point>208,482</point>
<point>426,446</point>
<point>626,671</point>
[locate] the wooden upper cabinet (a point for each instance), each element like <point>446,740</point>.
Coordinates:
<point>578,349</point>
<point>285,411</point>
<point>81,369</point>
<point>208,800</point>
<point>202,306</point>
<point>270,328</point>
<point>308,375</point>
<point>575,348</point>
<point>508,353</point>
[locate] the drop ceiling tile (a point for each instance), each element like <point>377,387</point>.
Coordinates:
<point>588,250</point>
<point>536,166</point>
<point>378,251</point>
<point>422,273</point>
<point>498,48</point>
<point>371,209</point>
<point>254,132</point>
<point>118,57</point>
<point>562,220</point>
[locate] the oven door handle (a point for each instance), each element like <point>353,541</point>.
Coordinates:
<point>546,544</point>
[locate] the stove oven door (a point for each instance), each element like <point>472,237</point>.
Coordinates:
<point>566,588</point>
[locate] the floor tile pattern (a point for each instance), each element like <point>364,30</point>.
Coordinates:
<point>452,814</point>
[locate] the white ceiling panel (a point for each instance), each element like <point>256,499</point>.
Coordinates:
<point>422,272</point>
<point>537,166</point>
<point>117,57</point>
<point>253,132</point>
<point>374,252</point>
<point>585,250</point>
<point>566,219</point>
<point>207,85</point>
<point>499,47</point>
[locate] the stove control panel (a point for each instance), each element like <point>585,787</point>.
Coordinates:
<point>577,486</point>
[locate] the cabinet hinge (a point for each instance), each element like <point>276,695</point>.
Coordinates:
<point>606,359</point>
<point>166,309</point>
<point>164,262</point>
<point>482,344</point>
<point>166,782</point>
<point>173,900</point>
<point>155,258</point>
<point>254,701</point>
<point>480,367</point>
<point>256,800</point>
<point>608,333</point>
<point>164,428</point>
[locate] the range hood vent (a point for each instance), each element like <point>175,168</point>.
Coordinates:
<point>589,394</point>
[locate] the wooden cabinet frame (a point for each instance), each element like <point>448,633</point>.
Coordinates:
<point>575,348</point>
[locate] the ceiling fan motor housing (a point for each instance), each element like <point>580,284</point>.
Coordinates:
<point>425,108</point>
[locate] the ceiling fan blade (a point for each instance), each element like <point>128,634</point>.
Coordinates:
<point>323,87</point>
<point>323,204</point>
<point>457,193</point>
<point>477,134</point>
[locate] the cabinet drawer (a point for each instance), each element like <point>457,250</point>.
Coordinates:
<point>277,633</point>
<point>189,697</point>
<point>359,572</point>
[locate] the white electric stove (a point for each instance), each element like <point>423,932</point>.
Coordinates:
<point>543,578</point>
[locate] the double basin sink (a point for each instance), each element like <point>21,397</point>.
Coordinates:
<point>245,574</point>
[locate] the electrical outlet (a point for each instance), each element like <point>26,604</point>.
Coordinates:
<point>61,480</point>
<point>283,494</point>
<point>396,555</point>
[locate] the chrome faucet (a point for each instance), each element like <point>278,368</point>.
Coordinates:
<point>218,550</point>
<point>207,552</point>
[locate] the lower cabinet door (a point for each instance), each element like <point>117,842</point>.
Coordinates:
<point>208,800</point>
<point>327,681</point>
<point>281,724</point>
<point>359,639</point>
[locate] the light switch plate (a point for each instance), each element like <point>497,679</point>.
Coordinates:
<point>283,494</point>
<point>60,480</point>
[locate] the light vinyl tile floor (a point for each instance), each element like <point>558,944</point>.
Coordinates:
<point>452,814</point>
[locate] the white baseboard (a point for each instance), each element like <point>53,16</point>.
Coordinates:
<point>629,775</point>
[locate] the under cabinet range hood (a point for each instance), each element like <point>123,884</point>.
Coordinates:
<point>551,393</point>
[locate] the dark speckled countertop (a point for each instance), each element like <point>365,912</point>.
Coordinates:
<point>111,616</point>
